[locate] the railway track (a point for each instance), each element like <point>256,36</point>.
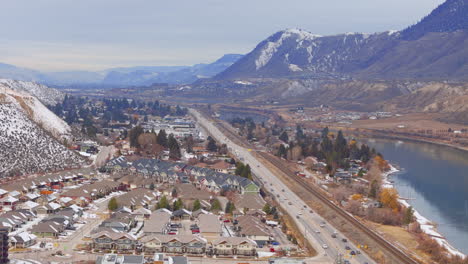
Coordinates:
<point>400,255</point>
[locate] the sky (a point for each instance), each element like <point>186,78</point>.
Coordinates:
<point>92,35</point>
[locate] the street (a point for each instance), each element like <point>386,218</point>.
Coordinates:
<point>324,244</point>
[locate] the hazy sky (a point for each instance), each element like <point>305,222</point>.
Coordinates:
<point>58,35</point>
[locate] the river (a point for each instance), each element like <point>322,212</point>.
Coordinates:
<point>435,180</point>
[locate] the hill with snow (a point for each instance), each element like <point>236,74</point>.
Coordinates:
<point>436,48</point>
<point>31,135</point>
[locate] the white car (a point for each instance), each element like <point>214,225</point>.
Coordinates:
<point>325,246</point>
<point>317,231</point>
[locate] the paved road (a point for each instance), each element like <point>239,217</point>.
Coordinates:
<point>294,205</point>
<point>67,245</point>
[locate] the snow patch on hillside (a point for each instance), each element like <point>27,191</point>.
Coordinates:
<point>46,95</point>
<point>294,68</point>
<point>271,47</point>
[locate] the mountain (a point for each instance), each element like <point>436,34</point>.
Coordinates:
<point>30,134</point>
<point>123,76</point>
<point>448,17</point>
<point>436,48</point>
<point>135,76</point>
<point>18,73</point>
<point>46,95</point>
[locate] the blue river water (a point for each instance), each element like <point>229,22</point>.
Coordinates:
<point>435,180</point>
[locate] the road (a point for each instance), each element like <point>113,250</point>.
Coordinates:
<point>301,213</point>
<point>67,244</point>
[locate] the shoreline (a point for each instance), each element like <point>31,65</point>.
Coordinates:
<point>426,225</point>
<point>411,139</point>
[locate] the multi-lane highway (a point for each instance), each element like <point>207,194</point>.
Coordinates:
<point>327,241</point>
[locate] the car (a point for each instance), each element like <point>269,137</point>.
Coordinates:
<point>347,248</point>
<point>322,225</point>
<point>226,221</point>
<point>311,211</point>
<point>325,246</point>
<point>352,253</point>
<point>289,203</point>
<point>172,233</point>
<point>333,235</point>
<point>277,195</point>
<point>344,240</point>
<point>358,252</point>
<point>282,190</point>
<point>317,231</point>
<point>297,216</point>
<point>275,243</point>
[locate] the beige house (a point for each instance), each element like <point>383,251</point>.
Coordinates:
<point>210,226</point>
<point>235,246</point>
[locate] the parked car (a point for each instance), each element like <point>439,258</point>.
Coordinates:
<point>275,243</point>
<point>347,248</point>
<point>325,246</point>
<point>344,240</point>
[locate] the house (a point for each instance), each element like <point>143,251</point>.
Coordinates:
<point>182,214</point>
<point>210,226</point>
<point>23,240</point>
<point>252,227</point>
<point>108,240</point>
<point>157,223</point>
<point>8,203</point>
<point>179,244</point>
<point>229,246</point>
<point>120,259</point>
<point>141,214</point>
<point>49,229</point>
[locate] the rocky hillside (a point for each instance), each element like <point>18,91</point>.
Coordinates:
<point>30,134</point>
<point>434,49</point>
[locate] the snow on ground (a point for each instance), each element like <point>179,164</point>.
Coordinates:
<point>294,68</point>
<point>426,225</point>
<point>46,95</point>
<point>27,226</point>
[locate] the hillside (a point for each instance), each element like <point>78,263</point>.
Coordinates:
<point>436,48</point>
<point>30,135</point>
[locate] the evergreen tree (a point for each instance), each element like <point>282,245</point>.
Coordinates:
<point>230,207</point>
<point>284,137</point>
<point>216,205</point>
<point>174,149</point>
<point>409,214</point>
<point>133,136</point>
<point>196,205</point>
<point>189,143</point>
<point>239,168</point>
<point>211,146</point>
<point>163,203</point>
<point>178,204</point>
<point>267,209</point>
<point>282,152</point>
<point>112,205</point>
<point>162,138</point>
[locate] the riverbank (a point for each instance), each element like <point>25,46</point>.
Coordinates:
<point>427,226</point>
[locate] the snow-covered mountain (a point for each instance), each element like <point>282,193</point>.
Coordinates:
<point>434,49</point>
<point>46,95</point>
<point>31,136</point>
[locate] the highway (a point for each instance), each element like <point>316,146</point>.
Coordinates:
<point>316,230</point>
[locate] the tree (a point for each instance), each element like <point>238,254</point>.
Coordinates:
<point>374,189</point>
<point>299,133</point>
<point>246,172</point>
<point>178,204</point>
<point>189,143</point>
<point>174,193</point>
<point>162,138</point>
<point>112,205</point>
<point>174,149</point>
<point>408,218</point>
<point>239,168</point>
<point>284,137</point>
<point>163,203</point>
<point>389,198</point>
<point>216,205</point>
<point>152,187</point>
<point>134,134</point>
<point>267,209</point>
<point>196,205</point>
<point>211,145</point>
<point>282,152</point>
<point>230,207</point>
